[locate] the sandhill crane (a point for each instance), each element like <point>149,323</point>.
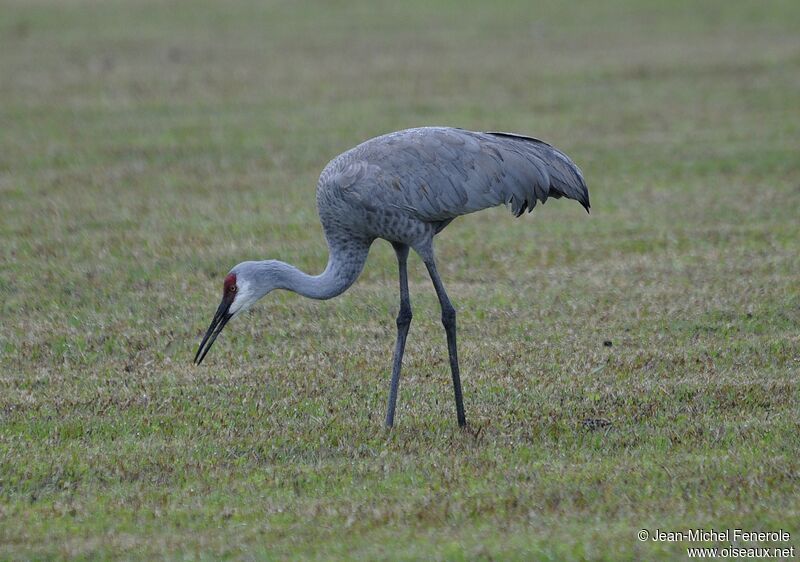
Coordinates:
<point>405,187</point>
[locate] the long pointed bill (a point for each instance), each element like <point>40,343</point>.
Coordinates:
<point>217,324</point>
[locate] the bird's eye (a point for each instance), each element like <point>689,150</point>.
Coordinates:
<point>232,288</point>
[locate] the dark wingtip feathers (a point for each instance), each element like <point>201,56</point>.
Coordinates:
<point>585,199</point>
<point>570,182</point>
<point>518,137</point>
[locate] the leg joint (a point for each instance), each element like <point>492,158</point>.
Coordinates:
<point>404,317</point>
<point>448,316</point>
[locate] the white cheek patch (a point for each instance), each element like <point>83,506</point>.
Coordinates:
<point>243,299</point>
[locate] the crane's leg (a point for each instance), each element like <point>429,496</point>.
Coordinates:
<point>403,323</point>
<point>449,321</point>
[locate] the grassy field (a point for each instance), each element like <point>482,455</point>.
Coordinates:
<point>147,147</point>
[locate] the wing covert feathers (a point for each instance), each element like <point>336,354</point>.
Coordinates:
<point>439,173</point>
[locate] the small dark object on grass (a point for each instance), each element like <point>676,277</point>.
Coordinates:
<point>595,423</point>
<point>608,343</point>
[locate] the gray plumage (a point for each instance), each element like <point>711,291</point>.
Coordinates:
<point>406,187</point>
<point>435,174</point>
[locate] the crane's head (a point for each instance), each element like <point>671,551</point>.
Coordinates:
<point>241,289</point>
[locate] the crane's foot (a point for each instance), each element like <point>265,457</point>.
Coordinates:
<point>472,431</point>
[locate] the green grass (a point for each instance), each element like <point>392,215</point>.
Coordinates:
<point>147,147</point>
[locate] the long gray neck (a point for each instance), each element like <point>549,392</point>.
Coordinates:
<point>344,266</point>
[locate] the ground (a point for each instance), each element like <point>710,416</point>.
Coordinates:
<point>636,368</point>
